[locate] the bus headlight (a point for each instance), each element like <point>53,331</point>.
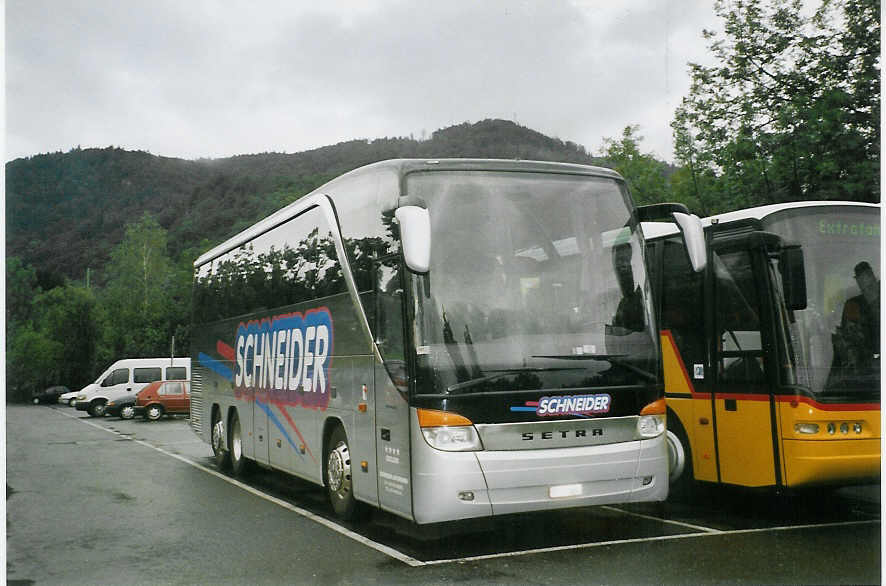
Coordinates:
<point>449,432</point>
<point>652,421</point>
<point>807,428</point>
<point>650,425</point>
<point>453,439</point>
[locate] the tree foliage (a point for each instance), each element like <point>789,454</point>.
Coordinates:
<point>791,109</point>
<point>146,295</point>
<point>646,176</point>
<point>51,341</point>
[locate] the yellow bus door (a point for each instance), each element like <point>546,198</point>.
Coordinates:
<point>743,413</point>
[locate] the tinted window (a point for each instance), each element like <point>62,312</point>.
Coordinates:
<point>176,373</point>
<point>147,375</point>
<point>292,263</point>
<point>367,232</point>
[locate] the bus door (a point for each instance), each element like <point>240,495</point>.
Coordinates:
<point>743,410</point>
<point>391,399</point>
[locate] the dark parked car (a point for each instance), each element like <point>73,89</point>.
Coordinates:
<point>49,395</point>
<point>122,407</point>
<point>164,398</point>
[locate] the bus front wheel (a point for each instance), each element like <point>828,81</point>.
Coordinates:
<point>239,463</point>
<point>679,462</point>
<point>338,476</point>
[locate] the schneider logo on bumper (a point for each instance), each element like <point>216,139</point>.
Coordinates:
<point>581,405</point>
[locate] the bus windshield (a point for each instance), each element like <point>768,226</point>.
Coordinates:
<point>836,339</point>
<point>536,281</point>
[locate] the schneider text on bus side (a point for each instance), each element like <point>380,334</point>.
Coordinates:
<point>288,355</point>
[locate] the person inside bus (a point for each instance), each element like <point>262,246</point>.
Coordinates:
<point>857,339</point>
<point>863,312</point>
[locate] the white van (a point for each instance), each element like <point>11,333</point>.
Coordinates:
<point>129,376</point>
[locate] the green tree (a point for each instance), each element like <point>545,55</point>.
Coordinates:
<point>790,110</point>
<point>69,315</point>
<point>146,296</point>
<point>32,363</point>
<point>21,287</point>
<point>646,176</point>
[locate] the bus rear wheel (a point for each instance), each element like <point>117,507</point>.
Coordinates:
<point>219,449</point>
<point>339,484</point>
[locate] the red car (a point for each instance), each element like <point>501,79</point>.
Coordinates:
<point>164,398</point>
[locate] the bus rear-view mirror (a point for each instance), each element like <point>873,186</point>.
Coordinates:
<point>690,229</point>
<point>793,276</point>
<point>693,236</point>
<point>415,234</point>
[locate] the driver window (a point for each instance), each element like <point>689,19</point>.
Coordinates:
<point>738,319</point>
<point>118,377</point>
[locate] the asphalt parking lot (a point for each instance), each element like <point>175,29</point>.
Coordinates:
<point>719,535</point>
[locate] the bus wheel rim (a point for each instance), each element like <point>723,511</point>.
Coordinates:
<point>217,433</point>
<point>236,443</point>
<point>339,469</point>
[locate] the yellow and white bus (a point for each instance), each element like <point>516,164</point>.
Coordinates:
<point>772,355</point>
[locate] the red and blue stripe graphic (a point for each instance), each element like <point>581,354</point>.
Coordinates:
<point>219,367</point>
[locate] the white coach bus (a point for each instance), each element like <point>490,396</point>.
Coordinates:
<point>440,339</point>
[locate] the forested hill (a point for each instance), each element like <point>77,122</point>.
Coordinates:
<point>66,211</point>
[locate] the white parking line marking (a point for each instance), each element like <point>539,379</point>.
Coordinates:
<point>641,540</point>
<point>298,510</point>
<point>702,531</point>
<point>661,520</point>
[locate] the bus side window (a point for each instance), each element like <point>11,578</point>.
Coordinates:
<point>682,304</point>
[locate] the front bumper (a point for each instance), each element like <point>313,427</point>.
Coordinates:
<point>832,462</point>
<point>81,405</point>
<point>462,485</point>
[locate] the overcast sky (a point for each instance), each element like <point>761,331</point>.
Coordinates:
<point>214,78</point>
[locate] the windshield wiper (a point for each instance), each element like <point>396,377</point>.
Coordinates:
<point>476,381</point>
<point>613,358</point>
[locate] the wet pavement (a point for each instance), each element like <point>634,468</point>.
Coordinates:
<point>107,501</point>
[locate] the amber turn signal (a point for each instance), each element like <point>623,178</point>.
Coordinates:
<point>655,408</point>
<point>434,418</point>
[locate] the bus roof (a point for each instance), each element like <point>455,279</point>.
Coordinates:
<point>660,229</point>
<point>761,212</point>
<point>401,167</point>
